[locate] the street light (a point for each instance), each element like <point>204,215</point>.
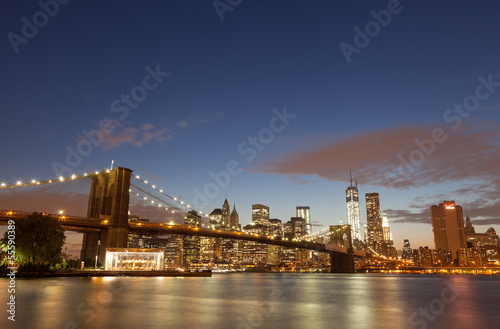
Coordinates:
<point>97,255</point>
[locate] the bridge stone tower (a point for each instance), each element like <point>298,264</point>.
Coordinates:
<point>109,200</point>
<point>340,235</point>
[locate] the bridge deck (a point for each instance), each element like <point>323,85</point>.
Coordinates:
<point>86,224</point>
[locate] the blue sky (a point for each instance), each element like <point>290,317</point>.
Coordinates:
<point>225,77</point>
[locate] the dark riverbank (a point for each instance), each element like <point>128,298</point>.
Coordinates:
<point>79,273</point>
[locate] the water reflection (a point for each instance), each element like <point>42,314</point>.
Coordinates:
<point>257,300</point>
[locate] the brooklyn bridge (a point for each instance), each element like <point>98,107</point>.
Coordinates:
<point>107,224</point>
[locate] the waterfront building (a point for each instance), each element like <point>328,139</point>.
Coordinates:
<point>134,259</point>
<point>448,227</point>
<point>304,212</point>
<point>479,256</point>
<point>352,204</point>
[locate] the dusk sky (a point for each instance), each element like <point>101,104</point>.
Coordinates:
<point>291,92</point>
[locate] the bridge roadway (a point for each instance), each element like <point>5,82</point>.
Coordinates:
<point>82,224</point>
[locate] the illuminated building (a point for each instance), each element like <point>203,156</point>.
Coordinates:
<point>385,228</point>
<point>134,259</point>
<point>260,214</point>
<point>374,222</point>
<point>448,227</point>
<point>275,253</point>
<point>407,251</point>
<point>288,230</point>
<point>304,212</point>
<point>173,251</point>
<point>352,204</point>
<point>215,218</point>
<point>275,228</point>
<point>191,244</point>
<point>235,220</point>
<point>253,252</point>
<point>469,229</point>
<point>226,215</point>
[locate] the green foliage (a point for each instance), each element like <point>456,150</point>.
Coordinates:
<point>39,238</point>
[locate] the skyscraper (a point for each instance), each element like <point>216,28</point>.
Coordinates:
<point>469,229</point>
<point>226,215</point>
<point>260,214</point>
<point>448,227</point>
<point>352,203</point>
<point>385,228</point>
<point>191,244</point>
<point>375,232</point>
<point>215,218</point>
<point>407,251</point>
<point>304,212</point>
<point>234,220</point>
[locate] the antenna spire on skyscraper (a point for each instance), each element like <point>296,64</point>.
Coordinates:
<point>350,174</point>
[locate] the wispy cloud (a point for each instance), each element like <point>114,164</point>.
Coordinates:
<point>199,117</point>
<point>126,135</point>
<point>471,153</point>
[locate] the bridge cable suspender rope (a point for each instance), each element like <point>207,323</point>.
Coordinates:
<point>154,197</point>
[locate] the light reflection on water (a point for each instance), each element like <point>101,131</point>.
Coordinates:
<point>257,301</point>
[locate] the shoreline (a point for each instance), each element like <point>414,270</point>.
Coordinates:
<point>103,273</point>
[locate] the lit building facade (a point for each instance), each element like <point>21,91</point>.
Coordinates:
<point>234,220</point>
<point>304,212</point>
<point>373,220</point>
<point>448,227</point>
<point>385,228</point>
<point>215,219</point>
<point>191,244</point>
<point>260,214</point>
<point>407,251</point>
<point>352,204</point>
<point>226,215</point>
<point>134,259</point>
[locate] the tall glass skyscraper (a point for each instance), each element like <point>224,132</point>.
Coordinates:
<point>304,212</point>
<point>375,230</point>
<point>352,203</point>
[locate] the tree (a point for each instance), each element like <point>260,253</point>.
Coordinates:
<point>39,238</point>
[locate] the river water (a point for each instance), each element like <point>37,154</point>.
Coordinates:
<point>258,300</point>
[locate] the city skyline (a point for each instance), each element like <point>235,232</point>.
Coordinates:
<point>269,113</point>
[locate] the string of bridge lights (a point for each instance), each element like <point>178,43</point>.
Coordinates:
<point>159,190</point>
<point>34,182</point>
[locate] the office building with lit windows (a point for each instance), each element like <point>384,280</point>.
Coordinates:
<point>260,214</point>
<point>373,220</point>
<point>304,212</point>
<point>448,227</point>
